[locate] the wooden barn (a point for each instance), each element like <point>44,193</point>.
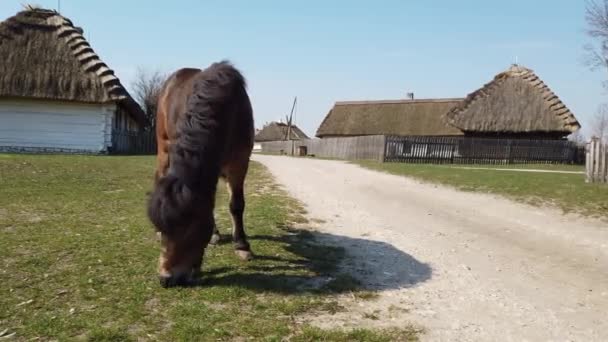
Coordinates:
<point>56,95</point>
<point>278,131</point>
<point>422,117</point>
<point>515,104</point>
<point>515,118</point>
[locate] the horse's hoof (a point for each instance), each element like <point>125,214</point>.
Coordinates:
<point>244,255</point>
<point>167,282</point>
<point>215,239</point>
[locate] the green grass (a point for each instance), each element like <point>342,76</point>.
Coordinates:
<point>78,261</point>
<point>568,192</point>
<point>549,167</point>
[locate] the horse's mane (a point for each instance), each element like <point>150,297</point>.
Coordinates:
<point>195,154</point>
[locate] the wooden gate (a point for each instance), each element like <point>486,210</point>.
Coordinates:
<point>127,142</point>
<point>597,161</point>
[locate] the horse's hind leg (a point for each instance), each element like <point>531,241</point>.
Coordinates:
<point>235,177</point>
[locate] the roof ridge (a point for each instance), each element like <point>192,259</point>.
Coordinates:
<point>399,101</point>
<point>37,8</point>
<point>88,59</point>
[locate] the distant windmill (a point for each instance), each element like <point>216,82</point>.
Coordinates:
<point>289,119</point>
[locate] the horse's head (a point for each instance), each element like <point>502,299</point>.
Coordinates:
<point>180,260</point>
<point>185,223</point>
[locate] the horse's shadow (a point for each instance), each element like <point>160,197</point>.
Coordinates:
<point>325,263</point>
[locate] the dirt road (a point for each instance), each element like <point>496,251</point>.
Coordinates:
<point>467,267</point>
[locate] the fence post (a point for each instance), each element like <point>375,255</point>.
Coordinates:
<point>596,160</point>
<point>383,155</point>
<point>605,163</point>
<point>592,161</point>
<point>599,177</point>
<point>452,152</point>
<point>588,159</point>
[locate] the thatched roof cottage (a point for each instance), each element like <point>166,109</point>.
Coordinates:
<point>393,117</point>
<point>277,131</point>
<point>516,103</point>
<point>55,92</point>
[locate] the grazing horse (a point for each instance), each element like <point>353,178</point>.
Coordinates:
<point>204,130</point>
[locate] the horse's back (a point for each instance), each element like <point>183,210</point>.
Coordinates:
<point>236,120</point>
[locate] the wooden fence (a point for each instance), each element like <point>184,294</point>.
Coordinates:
<point>125,142</point>
<point>597,162</point>
<point>351,148</point>
<point>465,150</point>
<point>435,150</point>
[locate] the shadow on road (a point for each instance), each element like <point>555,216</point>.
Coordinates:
<point>325,263</point>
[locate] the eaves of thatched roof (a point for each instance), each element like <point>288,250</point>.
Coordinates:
<point>515,101</point>
<point>422,117</point>
<point>277,131</point>
<point>44,56</point>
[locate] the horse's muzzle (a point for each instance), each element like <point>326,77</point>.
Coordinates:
<point>185,280</point>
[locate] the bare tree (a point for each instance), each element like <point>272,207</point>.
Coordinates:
<point>146,89</point>
<point>577,137</point>
<point>596,52</point>
<point>600,123</point>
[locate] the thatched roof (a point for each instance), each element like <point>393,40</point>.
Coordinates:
<point>516,101</point>
<point>398,117</point>
<point>277,131</point>
<point>44,56</point>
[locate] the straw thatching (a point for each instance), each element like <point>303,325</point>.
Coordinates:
<point>277,131</point>
<point>44,56</point>
<point>399,117</point>
<point>516,101</point>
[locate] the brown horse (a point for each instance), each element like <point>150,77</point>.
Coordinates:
<point>204,129</point>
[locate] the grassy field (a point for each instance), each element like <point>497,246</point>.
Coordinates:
<point>78,261</point>
<point>569,192</point>
<point>548,167</point>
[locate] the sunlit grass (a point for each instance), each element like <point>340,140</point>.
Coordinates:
<point>567,191</point>
<point>78,260</point>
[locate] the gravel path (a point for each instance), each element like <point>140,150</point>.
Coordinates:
<point>464,266</point>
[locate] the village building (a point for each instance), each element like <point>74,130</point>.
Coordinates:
<point>515,104</point>
<point>278,131</point>
<point>56,95</point>
<point>421,117</point>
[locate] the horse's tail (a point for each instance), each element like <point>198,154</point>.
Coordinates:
<point>195,155</point>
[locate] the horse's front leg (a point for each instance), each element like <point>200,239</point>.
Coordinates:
<point>207,232</point>
<point>215,237</point>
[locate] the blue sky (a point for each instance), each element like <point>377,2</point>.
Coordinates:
<point>326,51</point>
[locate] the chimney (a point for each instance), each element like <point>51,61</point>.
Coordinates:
<point>410,96</point>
